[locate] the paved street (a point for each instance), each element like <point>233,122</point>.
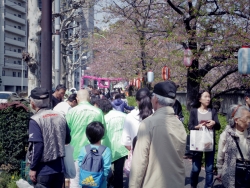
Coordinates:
<point>188,165</point>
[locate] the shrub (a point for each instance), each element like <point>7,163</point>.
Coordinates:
<point>13,135</point>
<point>8,180</point>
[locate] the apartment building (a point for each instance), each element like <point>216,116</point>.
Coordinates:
<point>13,41</point>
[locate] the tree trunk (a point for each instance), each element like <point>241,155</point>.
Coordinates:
<point>33,61</point>
<point>193,84</point>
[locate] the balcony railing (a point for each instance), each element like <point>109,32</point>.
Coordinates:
<point>11,17</point>
<point>12,54</point>
<point>14,30</point>
<point>14,42</point>
<point>15,6</point>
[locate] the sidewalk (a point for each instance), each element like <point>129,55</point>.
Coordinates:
<point>188,166</point>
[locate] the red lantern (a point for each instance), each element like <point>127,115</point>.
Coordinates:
<point>138,83</point>
<point>244,60</point>
<point>188,57</point>
<point>165,73</point>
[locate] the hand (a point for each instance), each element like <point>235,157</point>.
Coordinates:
<point>200,125</point>
<point>32,175</point>
<point>210,124</point>
<point>218,177</point>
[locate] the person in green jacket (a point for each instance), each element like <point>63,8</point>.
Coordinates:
<point>114,125</point>
<point>78,118</point>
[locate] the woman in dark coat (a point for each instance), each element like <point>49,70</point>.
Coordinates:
<point>203,115</point>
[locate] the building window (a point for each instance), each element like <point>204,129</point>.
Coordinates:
<point>19,50</point>
<point>19,4</point>
<point>3,73</point>
<point>19,62</point>
<point>19,39</point>
<point>19,16</point>
<point>14,74</point>
<point>14,38</point>
<point>19,27</point>
<point>14,14</point>
<point>14,26</point>
<point>19,74</point>
<point>14,50</point>
<point>25,74</point>
<point>14,62</point>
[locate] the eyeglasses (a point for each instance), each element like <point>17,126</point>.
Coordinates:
<point>235,110</point>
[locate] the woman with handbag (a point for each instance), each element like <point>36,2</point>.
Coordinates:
<point>234,149</point>
<point>203,115</point>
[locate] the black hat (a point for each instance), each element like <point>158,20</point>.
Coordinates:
<point>165,89</point>
<point>39,93</point>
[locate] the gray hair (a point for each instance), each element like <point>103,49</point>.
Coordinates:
<point>41,103</point>
<point>165,101</point>
<point>238,113</point>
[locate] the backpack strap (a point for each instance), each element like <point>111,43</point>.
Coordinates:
<point>88,148</point>
<point>101,149</point>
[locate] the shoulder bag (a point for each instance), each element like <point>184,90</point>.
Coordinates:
<point>242,170</point>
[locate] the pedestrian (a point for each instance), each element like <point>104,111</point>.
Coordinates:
<point>64,107</point>
<point>78,118</point>
<point>114,125</point>
<point>134,118</point>
<point>178,110</point>
<point>203,114</point>
<point>158,154</point>
<point>237,131</point>
<point>95,132</point>
<point>48,133</point>
<point>58,95</point>
<point>120,105</point>
<point>247,99</point>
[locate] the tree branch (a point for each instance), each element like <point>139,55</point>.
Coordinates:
<point>222,77</point>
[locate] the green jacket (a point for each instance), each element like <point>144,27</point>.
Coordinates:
<point>78,118</point>
<point>114,124</point>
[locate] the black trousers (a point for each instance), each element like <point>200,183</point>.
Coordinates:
<point>50,181</point>
<point>118,172</point>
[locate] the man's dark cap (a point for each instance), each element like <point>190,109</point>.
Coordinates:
<point>165,89</point>
<point>39,93</point>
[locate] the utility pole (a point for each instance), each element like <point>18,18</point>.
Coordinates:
<point>57,43</point>
<point>46,45</point>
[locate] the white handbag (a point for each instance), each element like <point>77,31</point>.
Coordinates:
<point>202,140</point>
<point>70,170</point>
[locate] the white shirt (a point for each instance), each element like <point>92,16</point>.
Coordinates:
<point>63,108</point>
<point>130,127</point>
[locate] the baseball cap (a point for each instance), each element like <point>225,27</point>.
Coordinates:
<point>39,93</point>
<point>165,89</point>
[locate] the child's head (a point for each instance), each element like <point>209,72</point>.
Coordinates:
<point>95,132</point>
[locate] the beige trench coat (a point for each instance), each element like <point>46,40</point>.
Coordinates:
<point>158,155</point>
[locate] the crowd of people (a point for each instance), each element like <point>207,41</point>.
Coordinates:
<point>147,141</point>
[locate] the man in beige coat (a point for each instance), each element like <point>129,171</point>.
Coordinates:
<point>158,154</point>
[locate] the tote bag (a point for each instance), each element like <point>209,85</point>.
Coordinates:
<point>70,170</point>
<point>202,140</point>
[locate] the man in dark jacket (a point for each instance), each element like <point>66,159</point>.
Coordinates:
<point>120,105</point>
<point>48,134</point>
<point>178,110</point>
<point>58,95</point>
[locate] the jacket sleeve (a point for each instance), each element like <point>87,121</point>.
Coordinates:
<point>128,107</point>
<point>215,118</point>
<point>221,152</point>
<point>140,157</point>
<point>36,154</point>
<point>192,120</point>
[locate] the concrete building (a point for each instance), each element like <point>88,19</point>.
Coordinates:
<point>13,41</point>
